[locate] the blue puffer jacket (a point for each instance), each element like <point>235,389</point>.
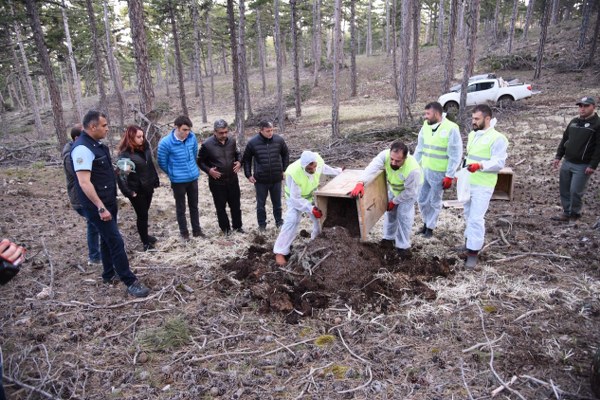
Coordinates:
<point>178,159</point>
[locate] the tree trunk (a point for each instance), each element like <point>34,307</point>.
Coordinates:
<point>317,41</point>
<point>238,92</point>
<point>140,52</point>
<point>544,30</point>
<point>404,54</point>
<point>25,73</point>
<point>279,61</point>
<point>395,47</point>
<point>337,39</point>
<point>449,59</point>
<point>592,51</point>
<point>472,24</point>
<point>441,28</point>
<point>496,15</point>
<point>387,27</point>
<point>416,23</point>
<point>369,30</point>
<point>198,72</point>
<point>224,58</point>
<point>178,63</point>
<point>167,66</point>
<point>585,22</point>
<point>98,62</point>
<point>461,19</point>
<point>245,89</point>
<point>530,6</point>
<point>260,45</point>
<point>294,30</point>
<point>44,60</point>
<point>513,21</point>
<point>42,91</point>
<point>353,74</point>
<point>555,9</point>
<point>76,80</point>
<point>209,49</point>
<point>115,72</point>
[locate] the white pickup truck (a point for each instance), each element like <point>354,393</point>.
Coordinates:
<point>482,91</point>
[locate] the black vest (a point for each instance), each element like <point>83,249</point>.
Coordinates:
<point>103,175</point>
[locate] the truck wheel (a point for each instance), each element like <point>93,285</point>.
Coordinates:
<point>451,108</point>
<point>505,101</point>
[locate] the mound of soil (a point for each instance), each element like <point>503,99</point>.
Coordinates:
<point>335,268</point>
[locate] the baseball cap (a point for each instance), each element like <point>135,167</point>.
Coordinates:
<point>587,100</point>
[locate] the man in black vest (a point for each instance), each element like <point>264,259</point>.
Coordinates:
<point>97,190</point>
<point>268,155</point>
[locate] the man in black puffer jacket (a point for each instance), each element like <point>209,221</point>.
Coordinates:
<point>268,155</point>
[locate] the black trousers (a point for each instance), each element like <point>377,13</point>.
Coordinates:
<point>227,193</point>
<point>141,205</point>
<point>189,189</point>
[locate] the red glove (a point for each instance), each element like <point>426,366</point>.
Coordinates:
<point>446,183</point>
<point>317,213</point>
<point>474,167</point>
<point>391,205</point>
<point>359,190</point>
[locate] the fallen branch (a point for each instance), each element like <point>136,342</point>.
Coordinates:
<point>559,390</point>
<point>532,254</point>
<point>32,388</point>
<point>79,303</point>
<point>478,346</point>
<point>311,270</point>
<point>462,373</point>
<point>501,388</point>
<point>528,313</point>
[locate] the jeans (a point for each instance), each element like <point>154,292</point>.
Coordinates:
<point>223,194</point>
<point>572,183</point>
<point>93,238</point>
<point>262,190</point>
<point>114,258</point>
<point>180,190</point>
<point>141,204</point>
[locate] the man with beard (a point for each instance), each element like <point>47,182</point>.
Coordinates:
<point>486,155</point>
<point>404,178</point>
<point>580,147</point>
<point>439,152</point>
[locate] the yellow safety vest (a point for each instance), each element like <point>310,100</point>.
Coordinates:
<point>435,145</point>
<point>481,150</point>
<point>307,186</point>
<point>396,178</point>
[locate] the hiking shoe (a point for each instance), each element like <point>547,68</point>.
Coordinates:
<point>471,261</point>
<point>137,289</point>
<point>423,230</point>
<point>199,234</point>
<point>240,230</point>
<point>94,263</point>
<point>574,216</point>
<point>387,243</point>
<point>152,239</point>
<point>185,236</point>
<point>280,260</point>
<point>262,228</point>
<point>428,234</point>
<point>278,224</point>
<point>404,254</point>
<point>113,280</point>
<point>561,217</point>
<point>148,246</point>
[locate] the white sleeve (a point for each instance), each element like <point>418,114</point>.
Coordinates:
<point>455,152</point>
<point>498,156</point>
<point>327,170</point>
<point>411,187</point>
<point>83,158</point>
<point>419,149</point>
<point>377,164</point>
<point>296,200</point>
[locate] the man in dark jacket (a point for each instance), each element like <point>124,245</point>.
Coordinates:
<point>93,237</point>
<point>219,157</point>
<point>580,147</point>
<point>268,155</point>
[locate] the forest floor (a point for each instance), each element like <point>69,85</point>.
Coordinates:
<point>347,319</point>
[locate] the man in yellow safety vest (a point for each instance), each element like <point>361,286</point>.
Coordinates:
<point>486,155</point>
<point>439,152</point>
<point>404,178</point>
<point>301,180</point>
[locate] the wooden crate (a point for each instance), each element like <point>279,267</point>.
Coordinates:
<point>357,215</point>
<point>505,185</point>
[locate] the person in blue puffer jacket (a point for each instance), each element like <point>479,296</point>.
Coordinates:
<point>177,157</point>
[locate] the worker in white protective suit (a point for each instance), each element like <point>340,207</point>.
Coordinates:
<point>404,179</point>
<point>439,152</point>
<point>301,180</point>
<point>486,155</point>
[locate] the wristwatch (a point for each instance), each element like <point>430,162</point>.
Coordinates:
<point>101,210</point>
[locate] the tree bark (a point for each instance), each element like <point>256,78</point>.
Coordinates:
<point>245,89</point>
<point>461,19</point>
<point>178,63</point>
<point>317,41</point>
<point>369,30</point>
<point>542,43</point>
<point>449,59</point>
<point>353,74</point>
<point>98,62</point>
<point>295,62</point>
<point>76,80</point>
<point>260,45</point>
<point>404,54</point>
<point>337,39</point>
<point>279,61</point>
<point>555,9</point>
<point>115,72</point>
<point>209,49</point>
<point>387,27</point>
<point>585,22</point>
<point>592,51</point>
<point>140,52</point>
<point>496,16</point>
<point>441,28</point>
<point>167,67</point>
<point>238,92</point>
<point>198,72</point>
<point>513,21</point>
<point>472,24</point>
<point>395,47</point>
<point>416,24</point>
<point>528,16</point>
<point>44,60</point>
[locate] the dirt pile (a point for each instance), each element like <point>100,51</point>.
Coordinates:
<point>335,268</point>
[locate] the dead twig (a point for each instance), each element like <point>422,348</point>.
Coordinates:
<point>73,303</point>
<point>29,387</point>
<point>364,385</point>
<point>47,253</point>
<point>559,390</point>
<point>311,270</point>
<point>462,373</point>
<point>528,313</point>
<point>531,254</point>
<point>350,350</point>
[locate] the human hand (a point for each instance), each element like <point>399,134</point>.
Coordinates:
<point>555,163</point>
<point>359,190</point>
<point>317,213</point>
<point>236,167</point>
<point>474,167</point>
<point>446,183</point>
<point>214,173</point>
<point>589,171</point>
<point>105,215</point>
<point>391,205</point>
<point>252,180</point>
<point>11,252</point>
<point>133,194</point>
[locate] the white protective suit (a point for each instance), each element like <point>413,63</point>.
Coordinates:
<point>398,223</point>
<point>431,193</point>
<point>477,205</point>
<point>296,205</point>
